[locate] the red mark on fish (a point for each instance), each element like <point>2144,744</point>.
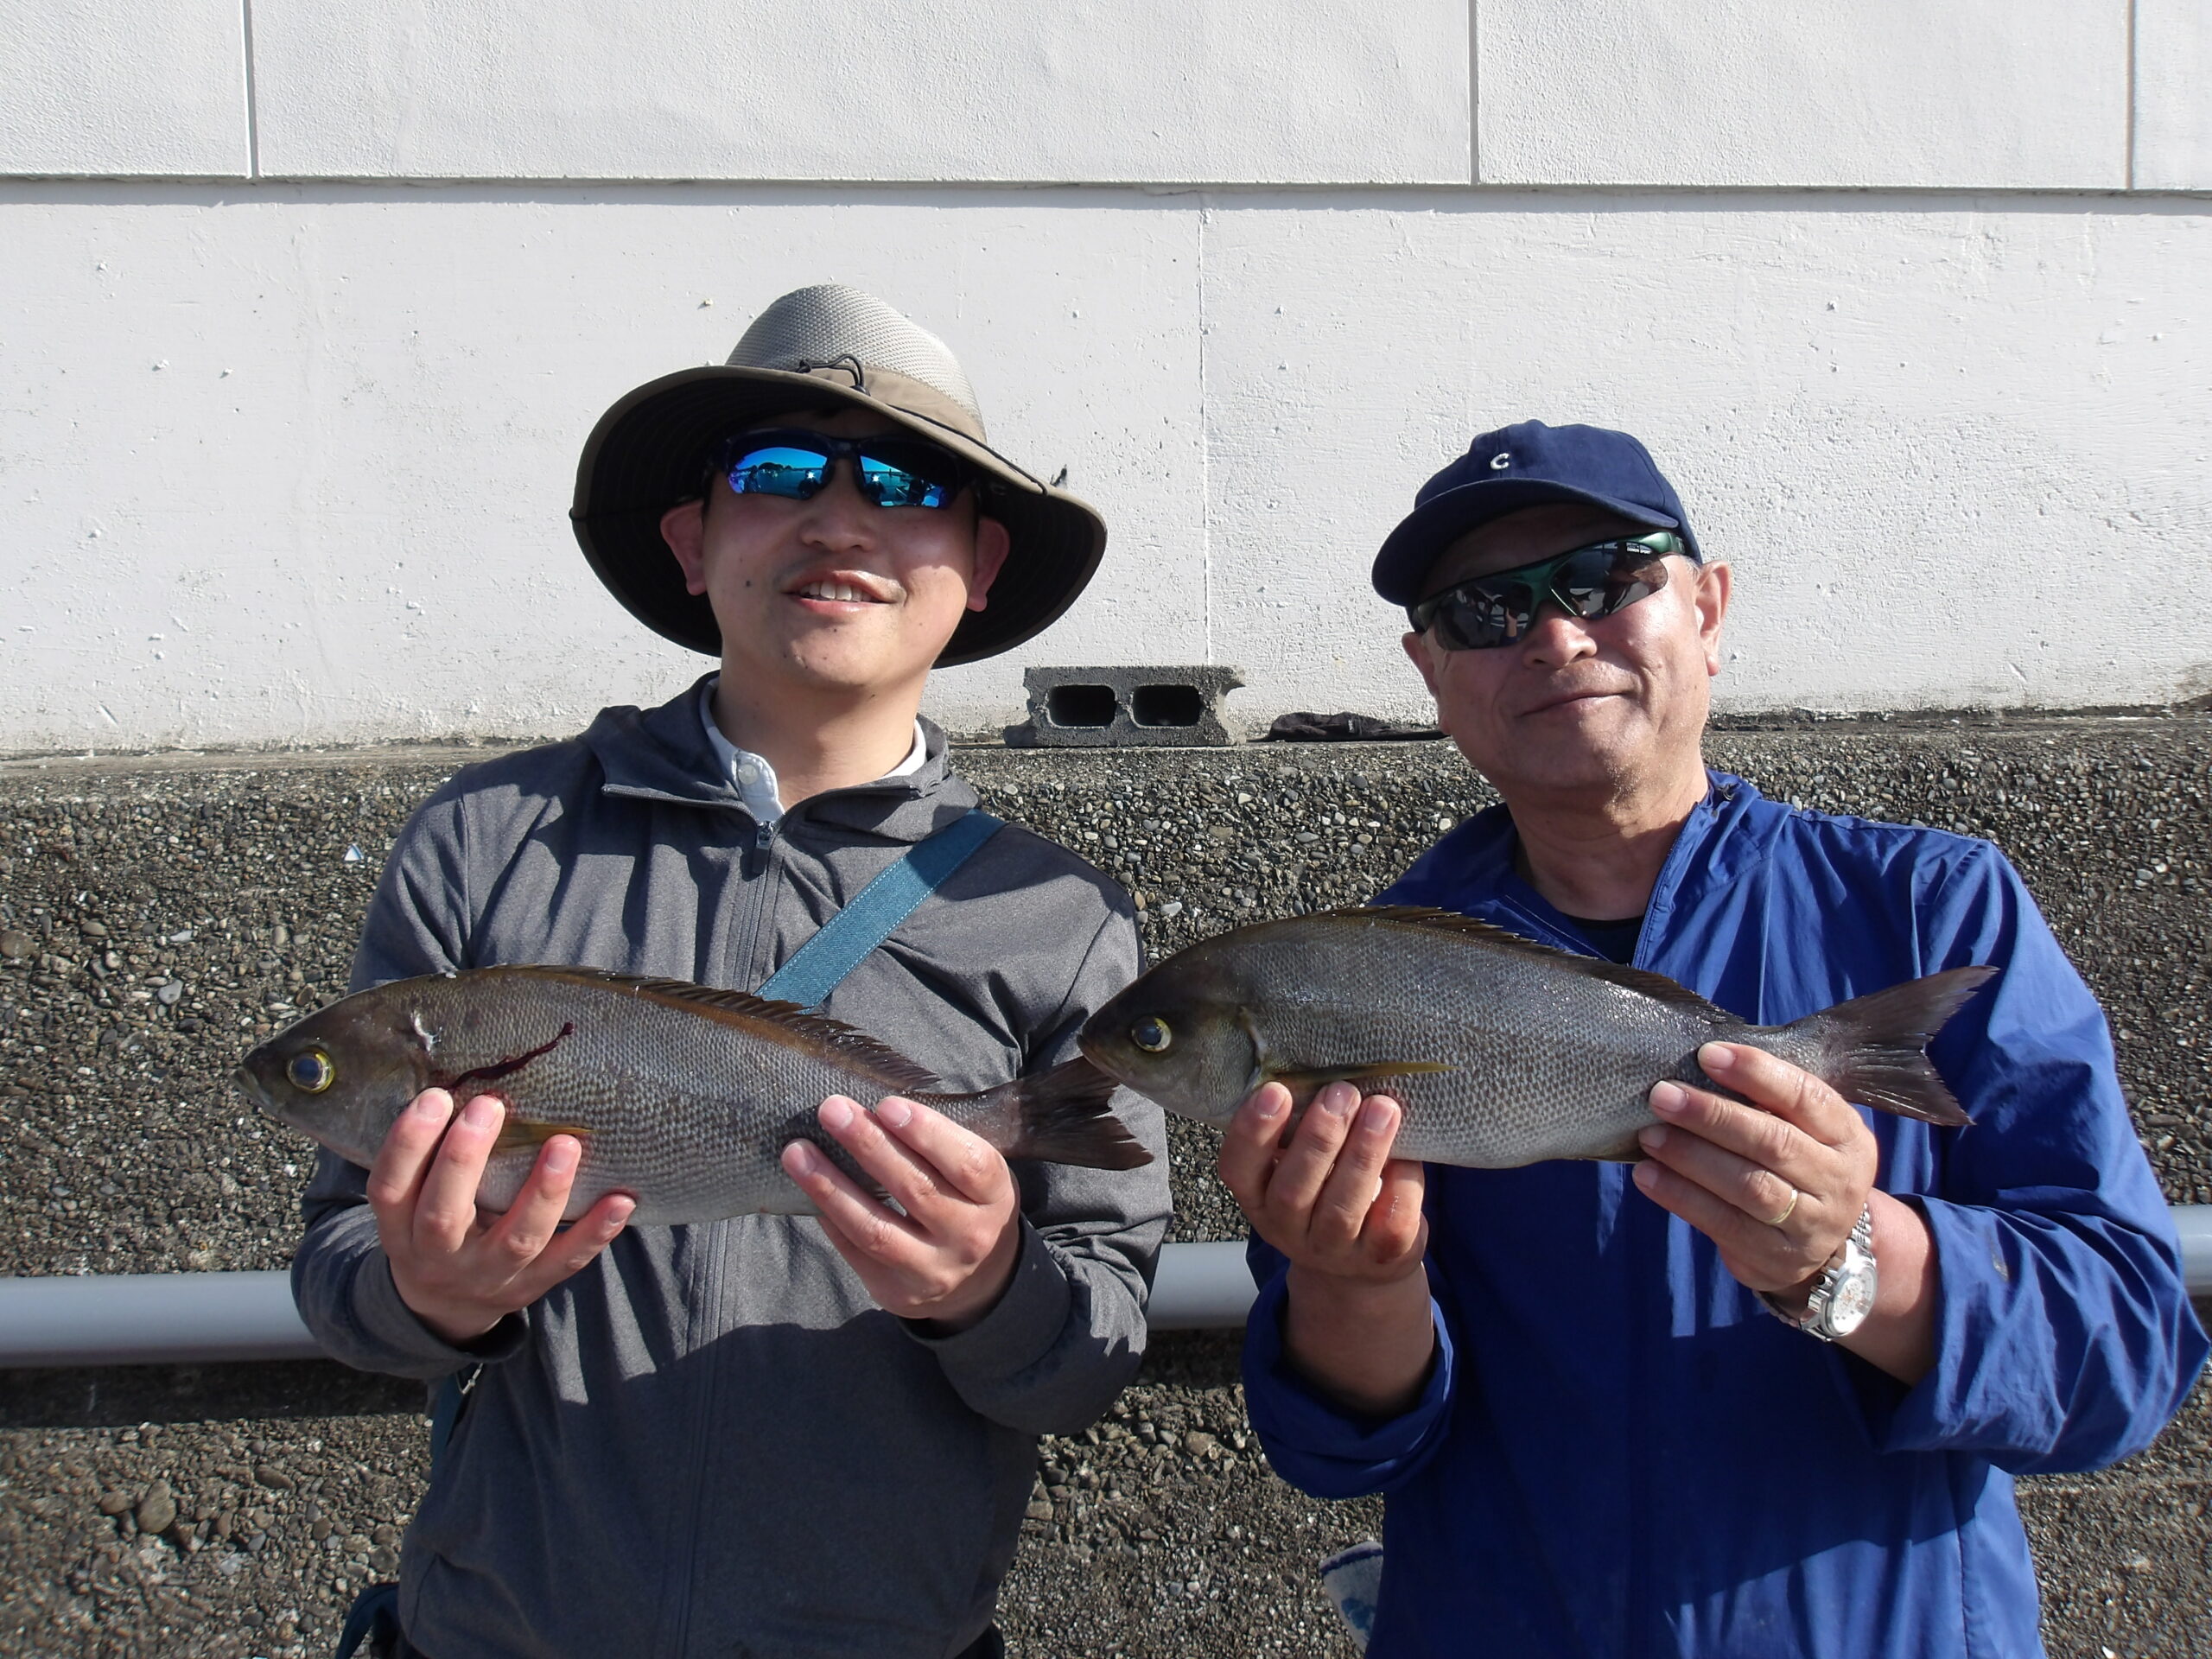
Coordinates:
<point>499,1069</point>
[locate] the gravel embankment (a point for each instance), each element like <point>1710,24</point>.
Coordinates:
<point>155,916</point>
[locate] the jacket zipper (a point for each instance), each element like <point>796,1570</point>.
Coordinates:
<point>1696,830</point>
<point>757,865</point>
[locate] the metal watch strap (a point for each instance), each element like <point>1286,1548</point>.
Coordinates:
<point>1814,1319</point>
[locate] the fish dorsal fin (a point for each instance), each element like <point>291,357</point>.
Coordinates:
<point>1657,987</point>
<point>846,1045</point>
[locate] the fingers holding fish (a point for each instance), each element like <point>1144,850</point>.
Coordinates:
<point>922,1160</point>
<point>1772,1193</point>
<point>460,1270</point>
<point>445,1205</point>
<point>519,1237</point>
<point>1826,1139</point>
<point>403,1158</point>
<point>949,1256</point>
<point>1756,1192</point>
<point>1766,1168</point>
<point>1395,1232</point>
<point>1250,1145</point>
<point>1356,1320</point>
<point>1331,1199</point>
<point>526,1252</point>
<point>1307,1163</point>
<point>1789,1092</point>
<point>945,1157</point>
<point>1349,1198</point>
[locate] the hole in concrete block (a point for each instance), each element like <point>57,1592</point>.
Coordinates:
<point>1167,705</point>
<point>1081,705</point>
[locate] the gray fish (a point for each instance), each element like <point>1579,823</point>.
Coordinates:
<point>1502,1052</point>
<point>684,1097</point>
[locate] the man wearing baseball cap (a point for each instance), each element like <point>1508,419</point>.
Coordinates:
<point>773,1434</point>
<point>1765,1391</point>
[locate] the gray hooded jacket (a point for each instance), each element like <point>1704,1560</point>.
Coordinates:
<point>711,1441</point>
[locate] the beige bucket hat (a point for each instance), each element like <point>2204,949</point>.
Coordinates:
<point>828,347</point>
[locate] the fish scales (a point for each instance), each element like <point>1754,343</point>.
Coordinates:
<point>1501,1052</point>
<point>1514,1092</point>
<point>681,1095</point>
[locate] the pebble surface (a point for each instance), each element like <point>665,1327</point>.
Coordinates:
<point>158,916</point>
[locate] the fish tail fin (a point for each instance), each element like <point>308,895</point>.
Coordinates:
<point>1873,1048</point>
<point>1057,1117</point>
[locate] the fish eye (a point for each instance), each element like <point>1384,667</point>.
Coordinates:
<point>310,1072</point>
<point>1151,1034</point>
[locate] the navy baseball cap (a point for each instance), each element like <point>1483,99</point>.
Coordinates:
<point>1527,465</point>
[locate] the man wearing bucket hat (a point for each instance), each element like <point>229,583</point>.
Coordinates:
<point>772,1435</point>
<point>1765,1391</point>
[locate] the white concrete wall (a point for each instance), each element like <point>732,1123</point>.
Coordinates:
<point>304,313</point>
<point>1290,90</point>
<point>1978,94</point>
<point>2173,95</point>
<point>94,87</point>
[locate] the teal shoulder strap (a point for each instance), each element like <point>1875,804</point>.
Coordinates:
<point>817,966</point>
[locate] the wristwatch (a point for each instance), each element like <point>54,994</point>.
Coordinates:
<point>1844,1294</point>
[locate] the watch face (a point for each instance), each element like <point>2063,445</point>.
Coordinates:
<point>1852,1297</point>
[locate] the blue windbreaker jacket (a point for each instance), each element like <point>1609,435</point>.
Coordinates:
<point>1620,1453</point>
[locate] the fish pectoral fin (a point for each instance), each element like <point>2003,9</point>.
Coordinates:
<point>1259,1073</point>
<point>1313,1077</point>
<point>1304,1081</point>
<point>522,1134</point>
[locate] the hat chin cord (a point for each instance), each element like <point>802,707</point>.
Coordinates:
<point>844,361</point>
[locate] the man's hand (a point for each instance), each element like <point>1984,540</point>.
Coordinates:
<point>1348,1218</point>
<point>950,1258</point>
<point>1777,1184</point>
<point>1334,1201</point>
<point>460,1270</point>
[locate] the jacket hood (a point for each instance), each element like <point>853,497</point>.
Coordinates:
<point>663,754</point>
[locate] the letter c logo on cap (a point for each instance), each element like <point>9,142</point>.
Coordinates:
<point>1501,460</point>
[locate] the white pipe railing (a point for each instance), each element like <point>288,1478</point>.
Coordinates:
<point>180,1319</point>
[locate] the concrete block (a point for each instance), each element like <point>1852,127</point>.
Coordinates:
<point>1302,92</point>
<point>1988,94</point>
<point>1121,707</point>
<point>2173,106</point>
<point>101,87</point>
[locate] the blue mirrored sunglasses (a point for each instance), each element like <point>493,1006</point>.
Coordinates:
<point>797,465</point>
<point>1586,582</point>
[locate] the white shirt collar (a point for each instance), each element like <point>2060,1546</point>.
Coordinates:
<point>754,780</point>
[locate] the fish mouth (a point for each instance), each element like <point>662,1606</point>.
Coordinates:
<point>246,1083</point>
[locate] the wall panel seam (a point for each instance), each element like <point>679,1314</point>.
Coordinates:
<point>2133,81</point>
<point>1205,442</point>
<point>1722,197</point>
<point>252,101</point>
<point>1474,93</point>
